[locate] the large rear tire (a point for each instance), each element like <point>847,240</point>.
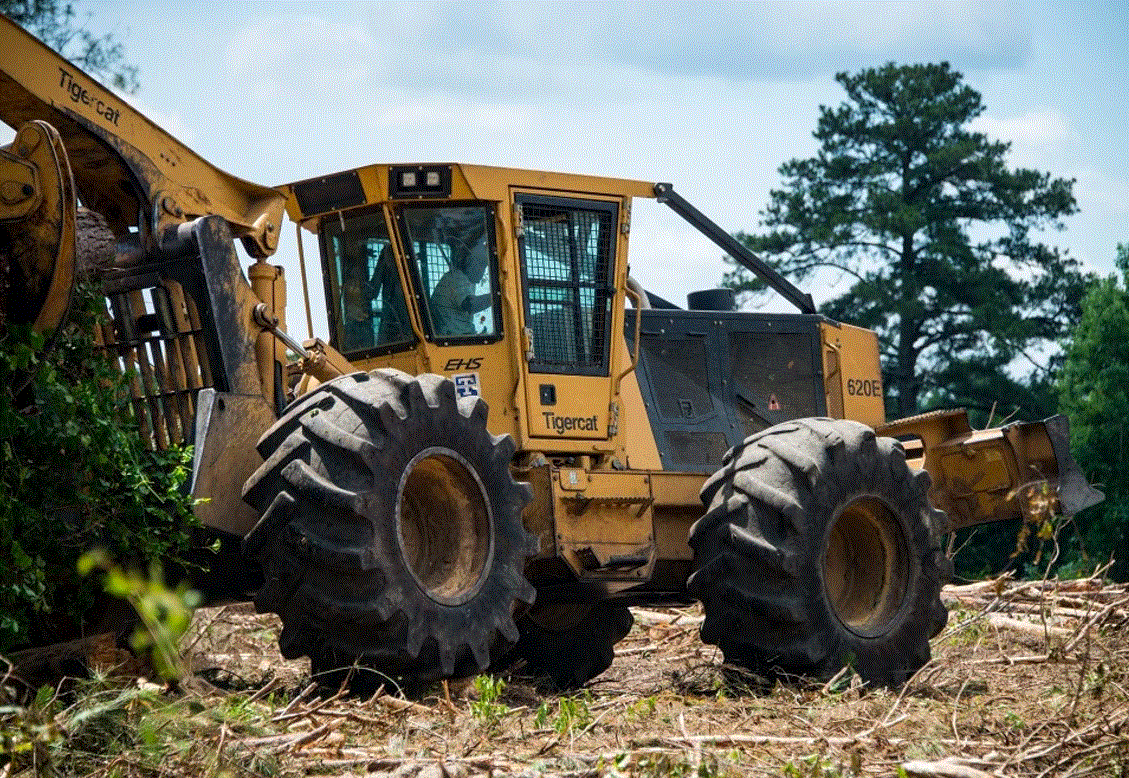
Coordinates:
<point>571,643</point>
<point>391,534</point>
<point>819,548</point>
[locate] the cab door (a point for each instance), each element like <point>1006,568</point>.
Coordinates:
<point>568,250</point>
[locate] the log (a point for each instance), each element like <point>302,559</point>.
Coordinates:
<point>1028,627</point>
<point>75,658</point>
<point>946,768</point>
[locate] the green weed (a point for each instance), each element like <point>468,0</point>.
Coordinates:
<point>486,708</point>
<point>165,613</point>
<point>815,766</point>
<point>642,709</point>
<point>671,766</point>
<point>100,725</point>
<point>569,716</point>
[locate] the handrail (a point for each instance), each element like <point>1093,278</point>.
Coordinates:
<point>636,298</point>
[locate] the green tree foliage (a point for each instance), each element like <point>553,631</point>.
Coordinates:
<point>60,26</point>
<point>75,473</point>
<point>1094,393</point>
<point>934,234</point>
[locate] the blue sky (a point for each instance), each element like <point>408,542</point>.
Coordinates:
<point>710,96</point>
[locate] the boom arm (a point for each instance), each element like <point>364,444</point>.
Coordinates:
<point>665,193</point>
<point>126,167</point>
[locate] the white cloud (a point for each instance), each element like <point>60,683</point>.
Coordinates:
<point>1039,128</point>
<point>1102,194</point>
<point>602,51</point>
<point>910,31</point>
<point>303,52</point>
<point>760,40</point>
<point>476,116</point>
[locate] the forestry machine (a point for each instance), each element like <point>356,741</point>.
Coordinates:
<point>491,455</point>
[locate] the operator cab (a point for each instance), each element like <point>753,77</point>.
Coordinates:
<point>452,275</point>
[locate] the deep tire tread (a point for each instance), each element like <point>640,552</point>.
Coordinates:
<point>328,545</point>
<point>748,544</point>
<point>309,482</point>
<point>344,440</point>
<point>773,497</point>
<point>758,552</point>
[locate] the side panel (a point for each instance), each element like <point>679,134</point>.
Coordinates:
<point>636,450</point>
<point>853,387</point>
<point>710,379</point>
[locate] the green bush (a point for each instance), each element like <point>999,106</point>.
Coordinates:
<point>75,473</point>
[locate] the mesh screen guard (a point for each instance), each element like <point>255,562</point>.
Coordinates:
<point>568,256</point>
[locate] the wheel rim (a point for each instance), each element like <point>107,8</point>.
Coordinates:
<point>444,525</point>
<point>866,567</point>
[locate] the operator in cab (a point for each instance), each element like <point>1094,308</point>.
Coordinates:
<point>453,302</point>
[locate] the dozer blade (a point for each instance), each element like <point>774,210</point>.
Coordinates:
<point>1022,469</point>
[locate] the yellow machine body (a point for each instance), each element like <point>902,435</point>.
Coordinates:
<point>610,501</point>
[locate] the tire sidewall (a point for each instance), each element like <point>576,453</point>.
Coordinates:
<point>886,655</point>
<point>452,429</point>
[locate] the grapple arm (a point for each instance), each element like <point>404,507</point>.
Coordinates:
<point>127,168</point>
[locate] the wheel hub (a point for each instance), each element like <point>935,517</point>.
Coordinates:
<point>866,567</point>
<point>444,525</point>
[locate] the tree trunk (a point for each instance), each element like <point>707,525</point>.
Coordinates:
<point>908,383</point>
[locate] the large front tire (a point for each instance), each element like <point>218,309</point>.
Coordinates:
<point>819,548</point>
<point>391,532</point>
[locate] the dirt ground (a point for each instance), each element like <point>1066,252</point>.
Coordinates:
<point>1028,679</point>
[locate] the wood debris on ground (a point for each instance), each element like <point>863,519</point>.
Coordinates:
<point>1028,679</point>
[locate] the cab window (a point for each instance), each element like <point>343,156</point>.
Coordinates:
<point>451,249</point>
<point>366,297</point>
<point>568,265</point>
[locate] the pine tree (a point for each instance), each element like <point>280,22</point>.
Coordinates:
<point>936,236</point>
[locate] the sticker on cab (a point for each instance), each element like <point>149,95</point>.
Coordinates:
<point>466,384</point>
